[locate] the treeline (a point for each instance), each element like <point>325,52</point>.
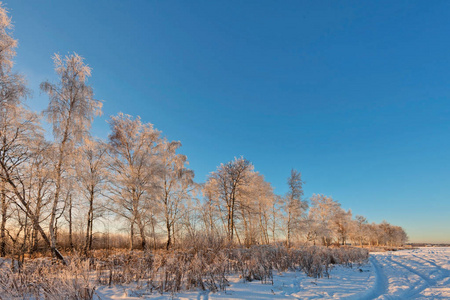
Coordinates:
<point>240,205</point>
<point>75,188</point>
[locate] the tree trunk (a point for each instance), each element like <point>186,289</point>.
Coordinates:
<point>289,229</point>
<point>70,224</point>
<point>37,213</point>
<point>51,228</point>
<point>88,237</point>
<point>153,233</point>
<point>3,223</point>
<point>229,225</point>
<point>169,238</point>
<point>132,235</point>
<point>232,219</point>
<point>142,233</point>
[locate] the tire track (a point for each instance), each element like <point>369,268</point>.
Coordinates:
<point>381,282</point>
<point>445,272</point>
<point>415,290</point>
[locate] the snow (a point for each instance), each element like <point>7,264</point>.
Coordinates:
<point>422,273</point>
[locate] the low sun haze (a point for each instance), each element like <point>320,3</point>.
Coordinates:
<point>355,95</point>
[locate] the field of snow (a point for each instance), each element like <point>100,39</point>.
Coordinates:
<point>409,274</point>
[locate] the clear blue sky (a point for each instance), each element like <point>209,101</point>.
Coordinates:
<point>355,95</point>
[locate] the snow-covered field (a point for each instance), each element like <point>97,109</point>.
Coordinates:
<point>409,274</point>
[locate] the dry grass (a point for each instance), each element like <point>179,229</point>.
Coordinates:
<point>167,271</point>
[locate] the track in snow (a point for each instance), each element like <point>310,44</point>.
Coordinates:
<point>412,274</point>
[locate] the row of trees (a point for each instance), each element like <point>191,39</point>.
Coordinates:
<point>74,184</point>
<point>243,205</point>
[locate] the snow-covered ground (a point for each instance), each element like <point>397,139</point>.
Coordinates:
<point>409,274</point>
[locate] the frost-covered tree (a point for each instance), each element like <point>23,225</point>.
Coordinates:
<point>12,121</point>
<point>12,85</point>
<point>265,200</point>
<point>342,225</point>
<point>294,206</point>
<point>322,212</point>
<point>135,171</point>
<point>40,183</point>
<point>275,218</point>
<point>392,235</point>
<point>176,183</point>
<point>91,177</point>
<point>252,210</point>
<point>227,184</point>
<point>20,142</point>
<point>209,212</point>
<point>71,110</point>
<point>360,229</point>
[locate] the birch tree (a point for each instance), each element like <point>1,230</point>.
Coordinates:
<point>255,199</point>
<point>71,110</point>
<point>226,184</point>
<point>91,175</point>
<point>209,212</point>
<point>40,186</point>
<point>360,229</point>
<point>322,211</point>
<point>177,181</point>
<point>342,224</point>
<point>135,171</point>
<point>265,200</point>
<point>12,92</point>
<point>12,85</point>
<point>20,134</point>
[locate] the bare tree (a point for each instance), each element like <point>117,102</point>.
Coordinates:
<point>227,184</point>
<point>12,85</point>
<point>265,199</point>
<point>135,171</point>
<point>40,185</point>
<point>209,212</point>
<point>251,208</point>
<point>322,212</point>
<point>20,134</point>
<point>360,229</point>
<point>71,111</point>
<point>275,217</point>
<point>91,175</point>
<point>342,224</point>
<point>12,91</point>
<point>177,181</point>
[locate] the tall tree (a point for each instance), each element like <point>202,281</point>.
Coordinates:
<point>71,110</point>
<point>342,224</point>
<point>227,184</point>
<point>294,206</point>
<point>177,181</point>
<point>12,91</point>
<point>135,171</point>
<point>20,137</point>
<point>360,229</point>
<point>322,212</point>
<point>40,185</point>
<point>91,176</point>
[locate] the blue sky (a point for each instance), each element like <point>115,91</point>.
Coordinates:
<point>354,94</point>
